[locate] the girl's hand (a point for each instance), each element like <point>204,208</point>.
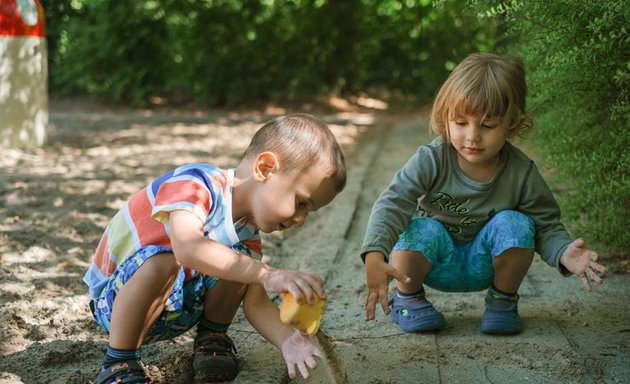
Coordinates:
<point>379,274</point>
<point>298,350</point>
<point>583,262</point>
<point>295,282</point>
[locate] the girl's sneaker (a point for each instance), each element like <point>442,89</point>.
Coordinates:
<point>501,315</point>
<point>416,314</point>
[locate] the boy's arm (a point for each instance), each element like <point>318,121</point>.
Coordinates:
<point>297,349</point>
<point>194,250</point>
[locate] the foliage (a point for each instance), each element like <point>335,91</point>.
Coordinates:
<point>231,51</point>
<point>228,52</point>
<point>106,49</point>
<point>577,56</point>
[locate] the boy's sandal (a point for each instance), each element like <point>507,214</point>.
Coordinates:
<point>124,372</point>
<point>215,357</point>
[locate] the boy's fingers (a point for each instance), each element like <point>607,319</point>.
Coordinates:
<point>291,369</point>
<point>311,362</point>
<point>303,370</point>
<point>306,289</point>
<point>316,284</point>
<point>296,292</point>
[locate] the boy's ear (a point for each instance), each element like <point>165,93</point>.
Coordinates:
<point>265,164</point>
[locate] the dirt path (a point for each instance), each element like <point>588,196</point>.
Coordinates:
<point>55,202</point>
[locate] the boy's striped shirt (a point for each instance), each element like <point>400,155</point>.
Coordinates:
<point>202,189</point>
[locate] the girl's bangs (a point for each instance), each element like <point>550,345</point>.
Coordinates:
<point>484,98</point>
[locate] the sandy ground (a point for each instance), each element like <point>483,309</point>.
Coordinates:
<point>56,201</point>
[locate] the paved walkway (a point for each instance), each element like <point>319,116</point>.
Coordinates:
<point>570,336</point>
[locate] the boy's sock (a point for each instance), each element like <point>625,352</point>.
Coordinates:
<point>210,326</point>
<point>114,355</point>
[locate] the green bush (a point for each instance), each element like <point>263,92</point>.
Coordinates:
<point>227,52</point>
<point>576,52</point>
<point>115,50</point>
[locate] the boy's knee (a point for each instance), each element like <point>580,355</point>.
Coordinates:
<point>162,264</point>
<point>228,288</point>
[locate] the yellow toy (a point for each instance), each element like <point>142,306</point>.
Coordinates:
<point>304,317</point>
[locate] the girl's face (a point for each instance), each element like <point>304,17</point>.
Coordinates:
<point>478,143</point>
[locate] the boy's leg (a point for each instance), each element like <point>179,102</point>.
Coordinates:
<point>135,308</point>
<point>223,300</point>
<point>215,357</point>
<point>141,300</point>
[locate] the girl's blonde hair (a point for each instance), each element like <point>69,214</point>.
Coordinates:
<point>484,85</point>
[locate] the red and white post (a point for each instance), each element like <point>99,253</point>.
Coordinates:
<point>23,74</point>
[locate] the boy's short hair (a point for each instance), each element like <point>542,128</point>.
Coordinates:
<point>486,85</point>
<point>300,140</point>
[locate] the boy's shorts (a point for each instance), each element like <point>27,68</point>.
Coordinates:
<point>466,267</point>
<point>184,306</point>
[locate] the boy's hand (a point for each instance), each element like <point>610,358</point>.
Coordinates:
<point>583,262</point>
<point>298,350</point>
<point>295,282</point>
<point>379,274</point>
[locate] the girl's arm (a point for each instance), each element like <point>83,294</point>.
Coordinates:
<point>297,349</point>
<point>537,202</point>
<point>389,217</point>
<point>553,242</point>
<point>398,202</point>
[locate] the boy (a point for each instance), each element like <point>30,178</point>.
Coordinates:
<point>185,250</point>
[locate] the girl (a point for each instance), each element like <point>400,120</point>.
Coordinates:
<point>467,211</point>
